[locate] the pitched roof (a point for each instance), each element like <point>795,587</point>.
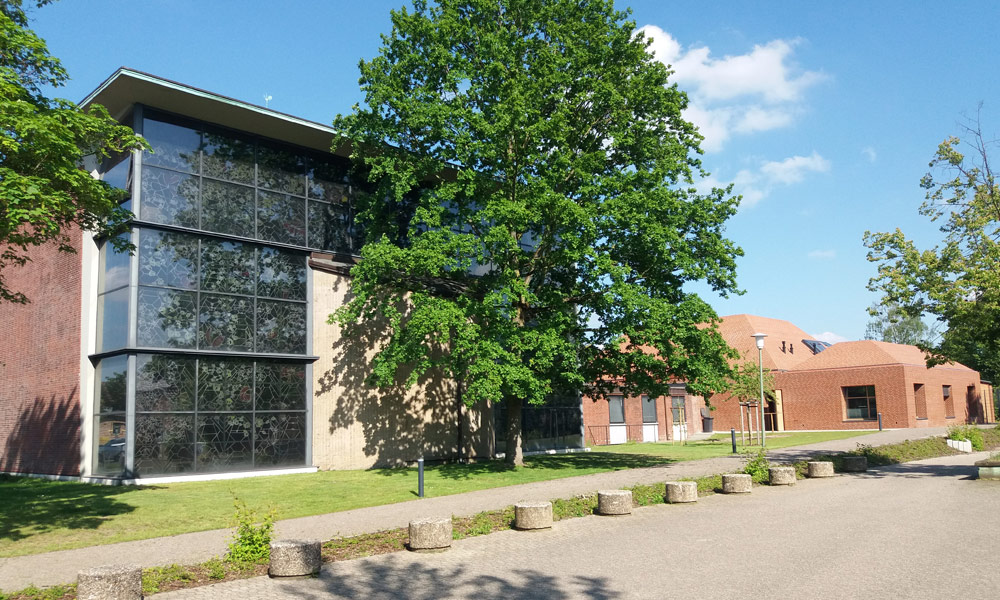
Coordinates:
<point>869,353</point>
<point>738,331</point>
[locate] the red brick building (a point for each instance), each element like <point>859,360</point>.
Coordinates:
<point>619,418</point>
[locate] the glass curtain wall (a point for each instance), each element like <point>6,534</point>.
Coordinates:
<point>203,332</point>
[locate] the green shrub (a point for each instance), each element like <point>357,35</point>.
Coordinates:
<point>251,543</point>
<point>757,466</point>
<point>969,433</point>
<point>154,577</point>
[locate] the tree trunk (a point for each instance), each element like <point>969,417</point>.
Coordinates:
<point>514,454</point>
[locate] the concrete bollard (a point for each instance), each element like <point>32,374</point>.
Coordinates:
<point>295,558</point>
<point>430,534</point>
<point>819,468</point>
<point>681,491</point>
<point>532,515</point>
<point>781,475</point>
<point>855,464</point>
<point>614,502</point>
<point>110,582</point>
<point>736,483</point>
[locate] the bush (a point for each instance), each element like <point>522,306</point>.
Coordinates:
<point>757,466</point>
<point>251,542</point>
<point>969,433</point>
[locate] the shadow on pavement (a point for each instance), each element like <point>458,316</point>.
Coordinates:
<point>922,470</point>
<point>391,579</point>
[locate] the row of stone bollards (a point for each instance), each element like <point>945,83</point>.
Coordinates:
<point>302,558</point>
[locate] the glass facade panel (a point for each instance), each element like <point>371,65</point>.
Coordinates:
<point>228,157</point>
<point>167,318</point>
<point>860,401</point>
<point>168,259</point>
<point>329,180</point>
<point>110,443</point>
<point>281,218</point>
<point>329,226</point>
<point>281,327</point>
<point>225,442</point>
<point>227,208</point>
<point>280,386</point>
<point>112,320</point>
<point>164,383</point>
<point>164,443</point>
<point>169,197</point>
<point>174,146</point>
<point>279,439</point>
<point>227,267</point>
<point>226,323</point>
<point>114,269</point>
<point>120,175</point>
<point>281,274</point>
<point>281,170</point>
<point>225,385</point>
<point>616,410</point>
<point>112,385</point>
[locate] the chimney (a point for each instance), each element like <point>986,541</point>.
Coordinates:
<point>791,348</point>
<point>782,346</point>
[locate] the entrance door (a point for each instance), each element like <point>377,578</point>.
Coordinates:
<point>680,417</point>
<point>650,426</point>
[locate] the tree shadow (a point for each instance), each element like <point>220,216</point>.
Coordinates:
<point>392,578</point>
<point>911,470</point>
<point>45,437</point>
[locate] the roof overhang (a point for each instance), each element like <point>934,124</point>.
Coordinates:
<point>127,87</point>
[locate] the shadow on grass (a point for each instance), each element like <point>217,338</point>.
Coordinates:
<point>586,462</point>
<point>30,506</point>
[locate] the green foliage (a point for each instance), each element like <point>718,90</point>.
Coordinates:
<point>155,577</point>
<point>482,523</point>
<point>969,433</point>
<point>889,324</point>
<point>251,543</point>
<point>957,281</point>
<point>216,569</point>
<point>57,592</point>
<point>44,143</point>
<point>535,219</point>
<point>744,383</point>
<point>578,506</point>
<point>757,466</point>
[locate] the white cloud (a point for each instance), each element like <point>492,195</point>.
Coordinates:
<point>829,337</point>
<point>746,93</point>
<point>870,153</point>
<point>823,254</point>
<point>794,169</point>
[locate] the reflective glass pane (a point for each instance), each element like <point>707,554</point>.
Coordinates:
<point>616,409</point>
<point>280,439</point>
<point>120,175</point>
<point>227,267</point>
<point>112,384</point>
<point>164,443</point>
<point>225,385</point>
<point>280,170</point>
<point>169,198</point>
<point>225,323</point>
<point>328,180</point>
<point>281,274</point>
<point>281,327</point>
<point>227,208</point>
<point>112,320</point>
<point>329,227</point>
<point>168,259</point>
<point>114,270</point>
<point>173,146</point>
<point>164,383</point>
<point>167,318</point>
<point>225,442</point>
<point>110,439</point>
<point>280,386</point>
<point>228,157</point>
<point>281,218</point>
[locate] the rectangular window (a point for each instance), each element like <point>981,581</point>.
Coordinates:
<point>677,407</point>
<point>648,409</point>
<point>949,402</point>
<point>920,400</point>
<point>860,401</point>
<point>616,410</point>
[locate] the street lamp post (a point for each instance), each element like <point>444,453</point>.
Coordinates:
<point>760,366</point>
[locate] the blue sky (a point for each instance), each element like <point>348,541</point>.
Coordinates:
<point>824,115</point>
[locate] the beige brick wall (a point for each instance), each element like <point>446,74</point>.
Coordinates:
<point>356,426</point>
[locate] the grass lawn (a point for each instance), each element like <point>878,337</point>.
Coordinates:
<point>720,444</point>
<point>39,516</point>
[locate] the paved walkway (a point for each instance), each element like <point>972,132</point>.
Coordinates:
<point>54,568</point>
<point>891,533</point>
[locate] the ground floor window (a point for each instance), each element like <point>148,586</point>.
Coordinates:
<point>648,409</point>
<point>860,401</point>
<point>616,410</point>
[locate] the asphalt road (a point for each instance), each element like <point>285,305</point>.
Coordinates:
<point>926,529</point>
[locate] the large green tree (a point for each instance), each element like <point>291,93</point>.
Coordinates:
<point>535,223</point>
<point>44,142</point>
<point>890,324</point>
<point>957,281</point>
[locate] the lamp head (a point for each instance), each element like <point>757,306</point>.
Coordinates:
<point>760,340</point>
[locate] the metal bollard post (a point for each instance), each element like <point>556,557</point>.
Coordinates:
<point>732,433</point>
<point>880,421</point>
<point>420,477</point>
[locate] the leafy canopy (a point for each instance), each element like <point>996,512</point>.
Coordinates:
<point>43,144</point>
<point>534,223</point>
<point>957,281</point>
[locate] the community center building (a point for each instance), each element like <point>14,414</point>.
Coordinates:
<point>207,351</point>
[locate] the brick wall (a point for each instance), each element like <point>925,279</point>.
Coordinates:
<point>596,418</point>
<point>40,365</point>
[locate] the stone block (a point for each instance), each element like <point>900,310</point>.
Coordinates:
<point>614,502</point>
<point>736,483</point>
<point>855,464</point>
<point>533,515</point>
<point>989,472</point>
<point>110,582</point>
<point>295,558</point>
<point>430,534</point>
<point>781,475</point>
<point>819,468</point>
<point>682,491</point>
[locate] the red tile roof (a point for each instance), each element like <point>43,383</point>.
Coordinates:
<point>868,353</point>
<point>738,331</point>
